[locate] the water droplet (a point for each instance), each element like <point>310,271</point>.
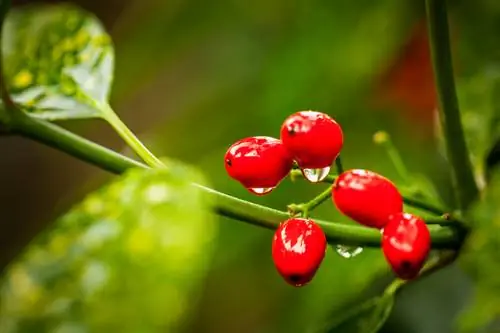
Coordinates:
<point>260,190</point>
<point>315,175</point>
<point>348,252</point>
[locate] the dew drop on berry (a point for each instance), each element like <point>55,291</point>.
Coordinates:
<point>316,175</point>
<point>348,252</point>
<point>260,190</point>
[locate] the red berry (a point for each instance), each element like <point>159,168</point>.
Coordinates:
<point>258,163</point>
<point>366,197</point>
<point>313,138</point>
<point>299,246</point>
<point>406,243</point>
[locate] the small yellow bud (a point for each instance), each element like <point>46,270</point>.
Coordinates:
<point>380,137</point>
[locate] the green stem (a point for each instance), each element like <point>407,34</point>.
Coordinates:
<point>407,200</point>
<point>423,206</point>
<point>129,137</point>
<point>309,206</point>
<point>338,165</point>
<point>225,205</point>
<point>433,265</point>
<point>463,178</point>
<point>319,199</point>
<point>383,138</point>
<point>72,144</point>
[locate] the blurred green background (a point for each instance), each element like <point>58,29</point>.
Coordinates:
<point>193,76</point>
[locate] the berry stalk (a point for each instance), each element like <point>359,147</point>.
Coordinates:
<point>225,205</point>
<point>407,200</point>
<point>382,138</point>
<point>307,207</point>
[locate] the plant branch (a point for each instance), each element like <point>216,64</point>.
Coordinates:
<point>129,137</point>
<point>423,206</point>
<point>307,207</point>
<point>407,200</point>
<point>225,205</point>
<point>458,155</point>
<point>72,144</point>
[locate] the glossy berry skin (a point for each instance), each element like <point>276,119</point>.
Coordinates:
<point>258,162</point>
<point>298,248</point>
<point>366,197</point>
<point>406,244</point>
<point>313,138</point>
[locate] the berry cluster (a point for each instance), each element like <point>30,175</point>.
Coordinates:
<point>313,140</point>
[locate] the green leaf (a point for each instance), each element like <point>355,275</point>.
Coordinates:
<point>129,258</point>
<point>481,259</point>
<point>479,109</point>
<point>58,61</point>
<point>368,317</point>
<point>4,8</point>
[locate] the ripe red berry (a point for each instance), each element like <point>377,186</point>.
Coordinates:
<point>366,197</point>
<point>299,246</point>
<point>313,138</point>
<point>406,243</point>
<point>258,163</point>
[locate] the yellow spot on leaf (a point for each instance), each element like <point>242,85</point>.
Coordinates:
<point>93,205</point>
<point>25,291</point>
<point>81,39</point>
<point>23,79</point>
<point>67,44</point>
<point>140,242</point>
<point>84,57</point>
<point>58,245</point>
<point>101,40</point>
<point>30,103</point>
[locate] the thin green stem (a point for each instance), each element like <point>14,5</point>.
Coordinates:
<point>442,221</point>
<point>394,287</point>
<point>458,155</point>
<point>338,165</point>
<point>225,205</point>
<point>309,206</point>
<point>434,264</point>
<point>407,200</point>
<point>320,198</point>
<point>423,206</point>
<point>129,137</point>
<point>384,139</point>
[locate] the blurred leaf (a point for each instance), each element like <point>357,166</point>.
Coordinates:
<point>4,8</point>
<point>478,101</point>
<point>58,61</point>
<point>368,317</point>
<point>420,187</point>
<point>493,159</point>
<point>129,258</point>
<point>481,260</point>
